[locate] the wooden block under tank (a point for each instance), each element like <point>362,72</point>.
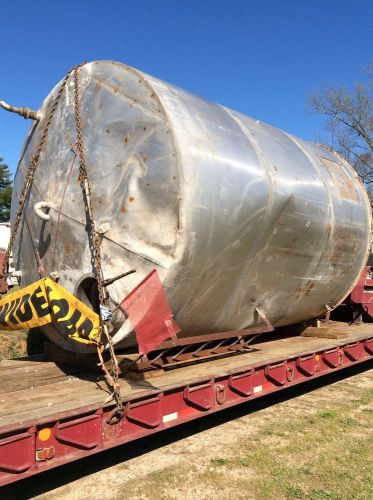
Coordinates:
<point>325,331</point>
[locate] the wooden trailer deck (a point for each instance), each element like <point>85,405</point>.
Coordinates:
<point>32,390</point>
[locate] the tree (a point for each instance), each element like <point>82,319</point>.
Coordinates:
<point>5,191</point>
<point>348,116</point>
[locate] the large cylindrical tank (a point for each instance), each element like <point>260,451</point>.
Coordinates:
<point>234,214</point>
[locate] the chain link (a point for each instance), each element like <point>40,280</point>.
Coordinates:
<point>83,178</point>
<point>95,240</point>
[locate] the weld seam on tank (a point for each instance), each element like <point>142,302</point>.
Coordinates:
<point>313,265</point>
<point>120,92</point>
<point>247,274</point>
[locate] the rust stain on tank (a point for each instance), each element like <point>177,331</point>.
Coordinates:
<point>68,247</point>
<point>281,221</point>
<point>306,289</point>
<point>344,184</point>
<point>288,249</point>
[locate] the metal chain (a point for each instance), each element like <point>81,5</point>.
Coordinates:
<point>30,175</point>
<point>83,178</point>
<point>93,234</point>
<point>95,242</point>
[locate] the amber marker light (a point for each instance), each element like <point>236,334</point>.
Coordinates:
<point>44,434</point>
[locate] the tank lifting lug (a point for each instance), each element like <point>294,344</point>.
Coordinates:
<point>38,209</point>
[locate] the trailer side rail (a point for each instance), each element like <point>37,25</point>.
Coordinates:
<point>31,449</point>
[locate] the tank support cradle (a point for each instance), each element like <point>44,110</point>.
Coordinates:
<point>173,352</point>
<point>177,351</point>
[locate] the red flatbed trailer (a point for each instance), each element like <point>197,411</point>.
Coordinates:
<point>51,415</point>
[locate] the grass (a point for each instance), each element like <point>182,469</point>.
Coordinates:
<point>323,455</point>
<point>18,343</point>
<point>328,455</point>
<point>13,344</point>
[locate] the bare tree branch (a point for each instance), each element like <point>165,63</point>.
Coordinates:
<point>349,118</point>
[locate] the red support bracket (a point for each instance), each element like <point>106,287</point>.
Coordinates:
<point>279,373</point>
<point>333,357</point>
<point>368,346</point>
<point>242,383</point>
<point>200,396</point>
<point>17,452</point>
<point>147,413</point>
<point>306,365</point>
<point>82,432</point>
<point>354,351</point>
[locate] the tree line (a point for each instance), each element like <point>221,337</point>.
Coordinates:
<point>6,186</point>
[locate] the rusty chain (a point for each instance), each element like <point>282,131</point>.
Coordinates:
<point>83,178</point>
<point>95,240</point>
<point>95,243</point>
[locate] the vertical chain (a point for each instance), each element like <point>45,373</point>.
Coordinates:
<point>95,242</point>
<point>95,239</point>
<point>83,178</point>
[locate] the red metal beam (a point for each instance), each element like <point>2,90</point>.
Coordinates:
<point>30,449</point>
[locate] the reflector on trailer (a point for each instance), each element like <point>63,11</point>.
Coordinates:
<point>44,434</point>
<point>45,454</point>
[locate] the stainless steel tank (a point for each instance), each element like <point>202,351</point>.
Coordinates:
<point>233,213</point>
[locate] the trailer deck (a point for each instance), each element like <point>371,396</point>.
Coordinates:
<point>50,414</point>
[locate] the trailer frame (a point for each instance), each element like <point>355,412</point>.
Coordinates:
<point>34,446</point>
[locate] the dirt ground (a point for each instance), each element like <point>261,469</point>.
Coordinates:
<point>312,442</point>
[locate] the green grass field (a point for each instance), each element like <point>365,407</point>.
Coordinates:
<point>325,454</point>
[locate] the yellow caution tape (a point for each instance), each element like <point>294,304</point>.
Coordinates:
<point>46,302</point>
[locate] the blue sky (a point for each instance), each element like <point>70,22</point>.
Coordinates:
<point>261,58</point>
